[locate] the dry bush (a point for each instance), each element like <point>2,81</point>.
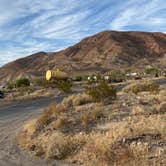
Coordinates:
<point>60,122</point>
<point>28,132</point>
<point>64,85</point>
<point>43,121</point>
<point>30,127</point>
<point>76,99</point>
<point>90,116</point>
<point>102,92</point>
<point>56,109</point>
<point>144,110</point>
<point>59,146</point>
<point>88,107</point>
<point>138,110</point>
<point>50,114</point>
<point>162,107</point>
<point>142,87</point>
<point>162,95</point>
<point>153,106</point>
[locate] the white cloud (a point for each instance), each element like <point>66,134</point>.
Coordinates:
<point>146,13</point>
<point>28,26</point>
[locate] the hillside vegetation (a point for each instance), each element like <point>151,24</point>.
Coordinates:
<point>129,129</point>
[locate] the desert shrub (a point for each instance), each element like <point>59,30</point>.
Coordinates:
<point>43,120</point>
<point>64,86</point>
<point>85,77</point>
<point>76,99</point>
<point>91,116</point>
<point>141,87</point>
<point>56,109</point>
<point>60,122</point>
<point>81,99</point>
<point>143,110</point>
<point>30,127</point>
<point>27,89</point>
<point>101,92</point>
<point>22,82</point>
<point>78,78</point>
<point>152,71</point>
<point>162,107</point>
<point>40,81</point>
<point>59,146</point>
<point>116,76</point>
<point>53,112</point>
<point>10,85</point>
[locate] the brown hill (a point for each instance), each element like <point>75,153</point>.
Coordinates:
<point>102,52</point>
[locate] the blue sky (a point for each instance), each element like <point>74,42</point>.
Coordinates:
<point>29,26</point>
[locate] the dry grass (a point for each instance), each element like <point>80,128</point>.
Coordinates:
<point>90,116</point>
<point>51,114</point>
<point>162,107</point>
<point>60,122</point>
<point>142,87</point>
<point>133,136</point>
<point>59,146</point>
<point>125,142</point>
<point>76,100</point>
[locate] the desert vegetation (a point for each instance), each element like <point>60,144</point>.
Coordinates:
<point>101,91</point>
<point>130,129</point>
<point>22,82</point>
<point>142,87</point>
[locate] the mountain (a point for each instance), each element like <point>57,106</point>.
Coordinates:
<point>102,52</point>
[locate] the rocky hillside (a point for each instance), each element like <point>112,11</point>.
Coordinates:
<point>101,52</point>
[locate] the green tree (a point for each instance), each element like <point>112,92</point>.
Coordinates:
<point>64,86</point>
<point>22,82</point>
<point>102,92</point>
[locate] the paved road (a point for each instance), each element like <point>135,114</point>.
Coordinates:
<point>11,120</point>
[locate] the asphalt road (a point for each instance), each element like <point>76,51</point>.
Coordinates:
<point>27,107</point>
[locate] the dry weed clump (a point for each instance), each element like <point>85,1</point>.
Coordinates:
<point>50,114</point>
<point>43,121</point>
<point>145,110</point>
<point>59,146</point>
<point>28,133</point>
<point>142,87</point>
<point>60,122</point>
<point>90,116</point>
<point>76,100</point>
<point>55,109</point>
<point>88,107</point>
<point>162,107</point>
<point>162,95</point>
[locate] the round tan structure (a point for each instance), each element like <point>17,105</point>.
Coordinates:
<point>56,75</point>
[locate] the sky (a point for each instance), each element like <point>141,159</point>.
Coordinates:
<point>30,26</point>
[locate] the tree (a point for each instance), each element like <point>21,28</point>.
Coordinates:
<point>22,82</point>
